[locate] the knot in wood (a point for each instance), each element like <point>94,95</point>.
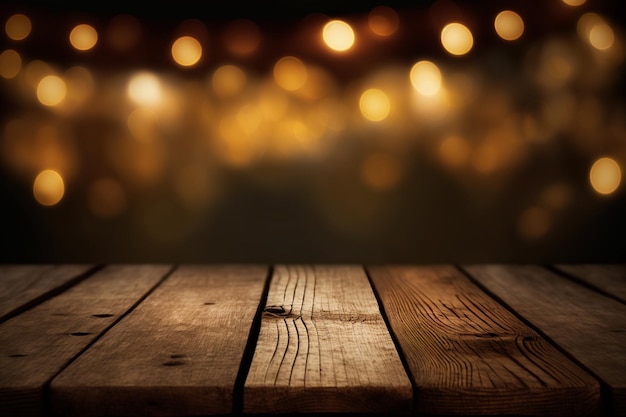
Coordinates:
<point>278,312</point>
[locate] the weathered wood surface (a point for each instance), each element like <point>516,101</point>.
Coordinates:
<point>324,347</point>
<point>178,353</point>
<point>22,286</point>
<point>470,356</point>
<point>38,343</point>
<point>586,324</point>
<point>610,279</point>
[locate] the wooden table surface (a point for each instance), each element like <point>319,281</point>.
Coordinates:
<point>436,340</point>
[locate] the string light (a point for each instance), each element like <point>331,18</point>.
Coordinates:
<point>605,175</point>
<point>18,27</point>
<point>509,25</point>
<point>457,39</point>
<point>338,35</point>
<point>48,188</point>
<point>238,114</point>
<point>83,37</point>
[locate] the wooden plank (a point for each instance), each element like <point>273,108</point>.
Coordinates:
<point>468,355</point>
<point>38,343</point>
<point>178,353</point>
<point>22,286</point>
<point>324,347</point>
<point>610,279</point>
<point>588,325</point>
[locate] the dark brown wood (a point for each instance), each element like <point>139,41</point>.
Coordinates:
<point>470,356</point>
<point>586,324</point>
<point>178,353</point>
<point>610,279</point>
<point>37,344</point>
<point>22,286</point>
<point>324,347</point>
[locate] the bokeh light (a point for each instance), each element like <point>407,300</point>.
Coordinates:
<point>601,36</point>
<point>51,90</point>
<point>338,35</point>
<point>605,175</point>
<point>186,51</point>
<point>383,20</point>
<point>290,73</point>
<point>457,39</point>
<point>374,105</point>
<point>144,88</point>
<point>228,80</point>
<point>18,27</point>
<point>425,78</point>
<point>48,188</point>
<point>509,25</point>
<point>83,37</point>
<point>574,2</point>
<point>394,138</point>
<point>10,63</point>
<point>594,29</point>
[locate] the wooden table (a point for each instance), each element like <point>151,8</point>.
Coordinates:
<point>174,340</point>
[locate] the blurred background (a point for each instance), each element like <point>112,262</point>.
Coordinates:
<point>313,131</point>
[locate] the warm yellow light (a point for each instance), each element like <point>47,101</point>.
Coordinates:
<point>18,27</point>
<point>601,36</point>
<point>143,124</point>
<point>425,78</point>
<point>509,25</point>
<point>383,20</point>
<point>457,39</point>
<point>145,89</point>
<point>605,175</point>
<point>592,28</point>
<point>186,51</point>
<point>228,80</point>
<point>374,105</point>
<point>338,35</point>
<point>10,64</point>
<point>51,90</point>
<point>83,37</point>
<point>380,171</point>
<point>574,2</point>
<point>48,188</point>
<point>290,73</point>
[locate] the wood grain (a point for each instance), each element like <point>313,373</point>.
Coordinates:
<point>588,325</point>
<point>610,279</point>
<point>37,344</point>
<point>178,353</point>
<point>470,356</point>
<point>22,286</point>
<point>324,347</point>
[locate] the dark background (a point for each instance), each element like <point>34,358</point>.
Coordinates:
<point>295,211</point>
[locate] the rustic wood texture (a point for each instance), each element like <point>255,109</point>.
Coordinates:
<point>469,356</point>
<point>178,353</point>
<point>610,279</point>
<point>324,347</point>
<point>22,286</point>
<point>586,324</point>
<point>38,343</point>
